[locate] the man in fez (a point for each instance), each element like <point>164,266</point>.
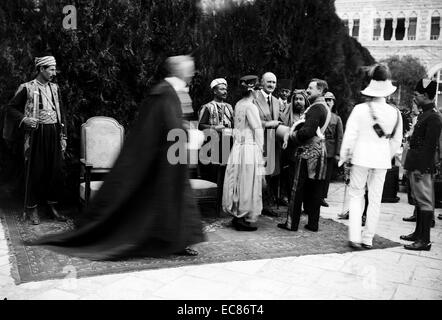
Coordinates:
<point>36,108</point>
<point>420,163</point>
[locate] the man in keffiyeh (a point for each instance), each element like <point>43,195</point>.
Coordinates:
<point>36,108</point>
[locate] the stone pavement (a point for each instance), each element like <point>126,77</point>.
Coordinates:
<point>393,273</point>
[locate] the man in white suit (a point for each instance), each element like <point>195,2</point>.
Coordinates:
<point>371,139</point>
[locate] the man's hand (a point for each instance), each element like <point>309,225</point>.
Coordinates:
<point>337,157</point>
<point>30,123</point>
<point>63,145</point>
<point>219,127</point>
<point>286,140</point>
<point>272,124</point>
<point>417,175</point>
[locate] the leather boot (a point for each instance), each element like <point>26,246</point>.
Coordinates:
<point>57,216</point>
<point>412,218</point>
<point>423,242</point>
<point>417,231</point>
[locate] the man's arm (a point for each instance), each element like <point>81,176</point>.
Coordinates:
<point>396,140</point>
<point>16,105</point>
<point>204,121</point>
<point>339,135</point>
<point>350,136</point>
<point>308,130</point>
<point>432,134</point>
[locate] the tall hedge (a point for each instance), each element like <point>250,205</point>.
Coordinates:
<point>107,65</point>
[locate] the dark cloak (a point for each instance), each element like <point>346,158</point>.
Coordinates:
<point>145,206</point>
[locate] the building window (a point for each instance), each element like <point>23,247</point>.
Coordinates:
<point>435,28</point>
<point>377,29</point>
<point>412,28</point>
<point>400,29</point>
<point>355,31</point>
<point>388,29</point>
<point>345,21</point>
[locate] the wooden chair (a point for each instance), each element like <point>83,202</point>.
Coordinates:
<point>101,142</point>
<point>205,192</point>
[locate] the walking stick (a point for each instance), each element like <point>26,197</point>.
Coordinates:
<point>28,164</point>
<point>346,181</point>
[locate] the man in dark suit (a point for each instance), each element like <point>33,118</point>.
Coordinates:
<point>333,140</point>
<point>420,163</point>
<point>269,107</point>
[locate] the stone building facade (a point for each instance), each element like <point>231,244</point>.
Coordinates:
<point>400,27</point>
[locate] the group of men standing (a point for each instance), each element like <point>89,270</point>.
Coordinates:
<point>301,142</point>
<point>304,139</point>
<point>299,162</point>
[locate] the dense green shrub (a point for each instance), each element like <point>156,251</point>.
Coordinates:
<point>107,65</point>
<point>405,71</point>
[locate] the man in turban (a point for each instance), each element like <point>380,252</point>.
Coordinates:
<point>216,120</point>
<point>36,108</point>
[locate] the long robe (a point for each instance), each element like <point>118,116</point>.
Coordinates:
<point>242,195</point>
<point>145,206</point>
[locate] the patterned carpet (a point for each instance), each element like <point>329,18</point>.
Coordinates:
<point>224,244</point>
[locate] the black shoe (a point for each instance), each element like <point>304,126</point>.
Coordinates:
<point>57,216</point>
<point>419,245</point>
<point>354,245</point>
<point>409,237</point>
<point>284,226</point>
<point>344,215</point>
<point>269,212</point>
<point>410,219</point>
<point>243,225</point>
<point>439,216</point>
<point>188,252</point>
<point>308,227</point>
<point>366,246</point>
<point>323,203</point>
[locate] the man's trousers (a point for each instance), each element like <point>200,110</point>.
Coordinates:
<point>308,192</point>
<point>422,190</point>
<point>45,168</point>
<point>359,178</point>
<point>330,166</point>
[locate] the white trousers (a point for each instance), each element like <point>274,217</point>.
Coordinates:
<point>374,180</point>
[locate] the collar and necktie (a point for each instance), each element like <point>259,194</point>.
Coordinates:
<point>269,102</point>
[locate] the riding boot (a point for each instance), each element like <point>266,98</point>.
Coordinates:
<point>412,218</point>
<point>423,242</point>
<point>418,230</point>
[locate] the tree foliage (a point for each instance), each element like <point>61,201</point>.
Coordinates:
<point>107,65</point>
<point>405,71</point>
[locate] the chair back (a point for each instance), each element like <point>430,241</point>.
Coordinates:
<point>101,141</point>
